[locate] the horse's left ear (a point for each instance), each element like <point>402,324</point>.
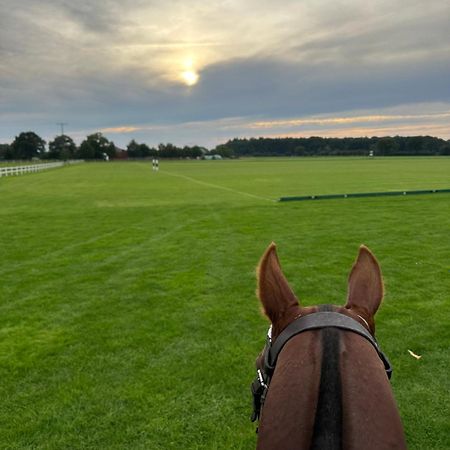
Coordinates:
<point>365,285</point>
<point>278,300</point>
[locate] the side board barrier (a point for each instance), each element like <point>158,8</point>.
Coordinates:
<point>362,194</point>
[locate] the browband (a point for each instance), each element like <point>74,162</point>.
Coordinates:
<point>322,320</point>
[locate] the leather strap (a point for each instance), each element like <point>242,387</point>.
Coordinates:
<point>322,320</point>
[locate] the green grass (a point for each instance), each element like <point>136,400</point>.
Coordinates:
<point>128,317</point>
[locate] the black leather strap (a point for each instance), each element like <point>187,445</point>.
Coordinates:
<point>321,320</point>
<point>318,320</point>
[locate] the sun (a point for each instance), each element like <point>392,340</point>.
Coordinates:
<point>190,77</point>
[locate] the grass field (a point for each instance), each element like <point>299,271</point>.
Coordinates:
<point>128,318</point>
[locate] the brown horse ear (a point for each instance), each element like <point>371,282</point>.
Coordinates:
<point>274,292</point>
<point>365,285</point>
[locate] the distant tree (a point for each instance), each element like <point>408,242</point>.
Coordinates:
<point>169,151</point>
<point>136,150</point>
<point>62,147</point>
<point>300,150</point>
<point>5,151</point>
<point>387,146</point>
<point>224,150</point>
<point>445,149</point>
<point>133,149</point>
<point>27,146</point>
<point>318,146</point>
<point>94,146</point>
<point>146,151</point>
<point>190,152</point>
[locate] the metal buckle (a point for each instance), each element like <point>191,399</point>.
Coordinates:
<point>259,389</point>
<point>261,379</point>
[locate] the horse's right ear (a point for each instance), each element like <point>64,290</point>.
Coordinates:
<point>274,292</point>
<point>365,286</point>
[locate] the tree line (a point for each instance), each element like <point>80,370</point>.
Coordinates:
<point>318,146</point>
<point>29,145</point>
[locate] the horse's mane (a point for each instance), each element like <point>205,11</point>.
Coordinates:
<point>327,434</point>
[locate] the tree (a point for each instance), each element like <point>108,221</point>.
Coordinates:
<point>196,151</point>
<point>145,151</point>
<point>387,146</point>
<point>445,148</point>
<point>299,150</point>
<point>94,147</point>
<point>136,150</point>
<point>62,147</point>
<point>5,151</point>
<point>27,146</point>
<point>224,151</point>
<point>168,151</point>
<point>133,149</point>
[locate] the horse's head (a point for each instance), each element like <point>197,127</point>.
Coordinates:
<point>313,342</point>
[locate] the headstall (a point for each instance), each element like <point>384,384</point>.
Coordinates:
<point>314,321</point>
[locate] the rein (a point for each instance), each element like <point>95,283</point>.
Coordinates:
<point>314,321</point>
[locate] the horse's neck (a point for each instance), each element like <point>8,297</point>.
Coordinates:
<point>292,417</point>
<point>287,419</point>
<point>370,416</point>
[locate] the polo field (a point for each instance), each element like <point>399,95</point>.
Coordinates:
<point>128,314</point>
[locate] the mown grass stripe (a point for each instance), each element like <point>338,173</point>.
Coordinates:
<point>216,186</point>
<point>362,194</point>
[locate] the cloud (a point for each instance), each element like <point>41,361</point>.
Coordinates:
<point>378,118</point>
<point>433,120</point>
<point>99,65</point>
<point>120,130</point>
<point>377,36</point>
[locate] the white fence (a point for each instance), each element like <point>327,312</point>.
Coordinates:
<point>20,170</point>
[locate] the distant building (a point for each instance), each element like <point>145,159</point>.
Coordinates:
<point>210,157</point>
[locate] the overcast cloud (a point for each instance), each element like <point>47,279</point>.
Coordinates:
<point>298,67</point>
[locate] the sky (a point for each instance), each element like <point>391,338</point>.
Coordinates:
<point>195,72</point>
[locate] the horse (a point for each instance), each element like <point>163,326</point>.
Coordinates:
<point>322,380</point>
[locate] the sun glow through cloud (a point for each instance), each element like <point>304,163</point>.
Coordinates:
<point>190,77</point>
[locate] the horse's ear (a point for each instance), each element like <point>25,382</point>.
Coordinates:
<point>274,292</point>
<point>365,285</point>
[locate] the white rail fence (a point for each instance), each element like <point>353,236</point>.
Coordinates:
<point>20,170</point>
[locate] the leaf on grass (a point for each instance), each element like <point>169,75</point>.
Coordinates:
<point>414,355</point>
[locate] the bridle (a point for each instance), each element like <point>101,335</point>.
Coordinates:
<point>314,321</point>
